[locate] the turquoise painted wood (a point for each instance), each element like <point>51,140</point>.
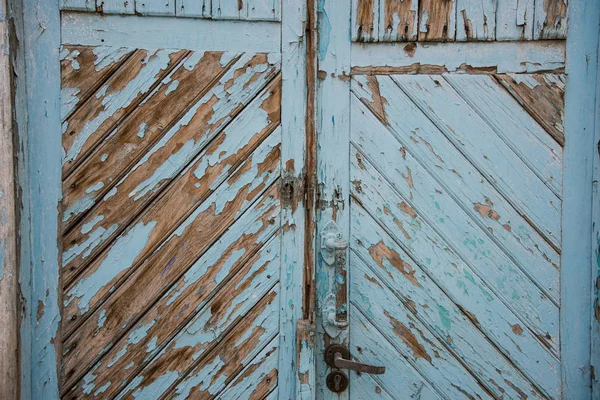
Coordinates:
<point>167,242</point>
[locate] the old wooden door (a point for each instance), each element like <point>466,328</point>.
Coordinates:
<point>181,261</point>
<point>231,177</point>
<point>440,166</point>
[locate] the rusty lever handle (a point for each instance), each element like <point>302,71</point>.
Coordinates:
<point>337,356</point>
<point>342,363</point>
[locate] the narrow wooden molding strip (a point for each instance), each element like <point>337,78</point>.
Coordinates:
<point>9,308</point>
<point>471,57</point>
<point>169,33</point>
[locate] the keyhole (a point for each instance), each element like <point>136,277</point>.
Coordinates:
<point>337,380</point>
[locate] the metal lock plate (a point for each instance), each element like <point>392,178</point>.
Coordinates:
<point>337,381</point>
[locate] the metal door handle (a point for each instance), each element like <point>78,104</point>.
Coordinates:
<point>337,356</point>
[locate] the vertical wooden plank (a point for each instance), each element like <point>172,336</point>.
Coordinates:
<point>293,152</point>
<point>193,8</point>
<point>476,20</point>
<point>398,20</point>
<point>577,249</point>
<point>437,20</point>
<point>305,339</point>
<point>9,306</point>
<point>155,7</point>
<point>595,278</point>
<point>117,6</point>
<point>264,10</point>
<point>550,19</point>
<point>41,187</point>
<point>78,5</point>
<point>229,9</point>
<point>514,20</point>
<point>333,142</point>
<point>365,20</point>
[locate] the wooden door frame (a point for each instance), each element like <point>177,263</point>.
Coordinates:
<point>35,60</point>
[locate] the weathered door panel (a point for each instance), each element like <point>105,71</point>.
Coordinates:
<point>180,260</point>
<point>453,200</point>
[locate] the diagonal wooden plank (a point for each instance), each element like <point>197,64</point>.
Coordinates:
<point>257,380</point>
<point>148,123</point>
<point>400,379</point>
<point>478,198</point>
<point>500,274</point>
<point>150,280</point>
<point>366,387</point>
<point>199,374</point>
<point>485,150</point>
<point>168,157</point>
<point>205,381</point>
<point>499,368</point>
<point>83,69</point>
<point>94,120</point>
<point>398,20</point>
<point>411,339</point>
<point>223,261</point>
<point>218,311</point>
<point>542,95</point>
<point>463,284</point>
<point>514,125</point>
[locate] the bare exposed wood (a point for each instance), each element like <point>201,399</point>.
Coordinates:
<point>83,70</point>
<point>365,20</point>
<point>9,272</point>
<point>181,136</point>
<point>550,19</point>
<point>95,119</point>
<point>201,229</point>
<point>543,97</point>
<point>398,20</point>
<point>437,20</point>
<point>211,274</point>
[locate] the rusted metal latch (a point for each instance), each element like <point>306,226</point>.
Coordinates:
<point>333,253</point>
<point>338,356</point>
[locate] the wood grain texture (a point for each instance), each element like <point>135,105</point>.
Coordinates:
<point>475,20</point>
<point>9,268</point>
<point>514,19</point>
<point>550,19</point>
<point>157,142</point>
<point>491,155</point>
<point>333,140</point>
<point>118,96</point>
<point>398,20</point>
<point>543,97</point>
<point>365,20</point>
<point>420,204</point>
<point>224,205</point>
<point>581,149</point>
<point>437,20</point>
<point>83,70</point>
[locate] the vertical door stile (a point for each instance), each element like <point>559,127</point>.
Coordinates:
<point>333,174</point>
<point>293,115</point>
